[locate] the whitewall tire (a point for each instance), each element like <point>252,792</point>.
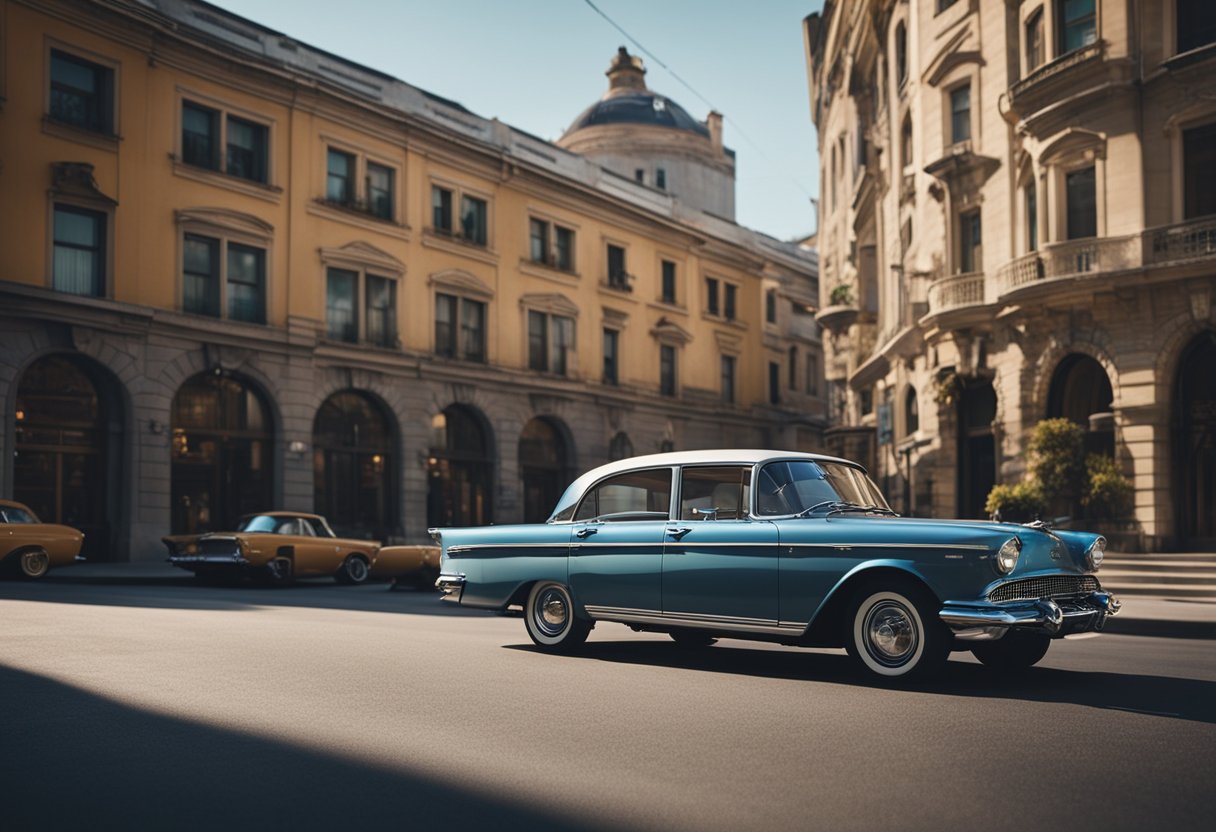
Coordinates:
<point>550,618</point>
<point>893,631</point>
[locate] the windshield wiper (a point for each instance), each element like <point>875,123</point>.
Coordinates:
<point>833,505</point>
<point>867,509</point>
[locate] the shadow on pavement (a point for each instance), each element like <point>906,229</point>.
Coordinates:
<point>185,594</point>
<point>73,760</point>
<point>1188,699</point>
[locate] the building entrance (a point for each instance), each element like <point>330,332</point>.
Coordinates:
<point>353,467</point>
<point>1195,444</point>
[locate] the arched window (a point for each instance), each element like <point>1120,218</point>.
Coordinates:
<point>460,469</point>
<point>911,412</point>
<point>543,468</point>
<point>901,54</point>
<point>354,465</point>
<point>1080,391</point>
<point>221,454</point>
<point>905,142</point>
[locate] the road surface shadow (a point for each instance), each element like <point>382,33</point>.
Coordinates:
<point>186,595</point>
<point>72,760</point>
<point>1187,699</point>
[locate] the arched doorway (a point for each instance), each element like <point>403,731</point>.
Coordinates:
<point>1195,444</point>
<point>222,454</point>
<point>460,469</point>
<point>68,448</point>
<point>1080,392</point>
<point>976,448</point>
<point>354,464</point>
<point>543,467</point>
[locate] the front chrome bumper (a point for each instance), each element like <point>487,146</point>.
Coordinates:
<point>1051,617</point>
<point>191,561</point>
<point>450,587</point>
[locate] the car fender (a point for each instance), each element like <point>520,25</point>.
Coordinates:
<point>822,626</point>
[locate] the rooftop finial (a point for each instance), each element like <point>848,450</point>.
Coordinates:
<point>626,74</point>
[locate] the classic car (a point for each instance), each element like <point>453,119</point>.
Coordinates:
<point>794,548</point>
<point>30,547</point>
<point>276,546</point>
<point>414,566</point>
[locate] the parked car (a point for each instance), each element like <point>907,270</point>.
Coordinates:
<point>30,547</point>
<point>276,546</point>
<point>794,548</point>
<point>416,566</point>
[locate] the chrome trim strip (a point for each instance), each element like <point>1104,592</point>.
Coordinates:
<point>743,625</point>
<point>468,547</point>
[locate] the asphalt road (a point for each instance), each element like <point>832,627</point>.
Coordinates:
<point>164,705</point>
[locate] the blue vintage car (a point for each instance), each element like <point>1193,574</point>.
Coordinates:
<point>795,548</point>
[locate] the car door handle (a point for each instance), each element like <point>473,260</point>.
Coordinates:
<point>585,533</point>
<point>679,533</point>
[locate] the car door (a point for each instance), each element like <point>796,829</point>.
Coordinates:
<point>313,555</point>
<point>720,566</point>
<point>616,550</point>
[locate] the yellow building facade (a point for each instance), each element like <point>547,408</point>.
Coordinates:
<point>239,273</point>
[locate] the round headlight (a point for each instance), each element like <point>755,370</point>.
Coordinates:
<point>1095,553</point>
<point>1007,555</point>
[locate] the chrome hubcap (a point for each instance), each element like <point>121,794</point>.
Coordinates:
<point>552,611</point>
<point>357,569</point>
<point>34,563</point>
<point>891,635</point>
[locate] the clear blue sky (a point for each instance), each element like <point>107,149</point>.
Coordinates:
<point>536,64</point>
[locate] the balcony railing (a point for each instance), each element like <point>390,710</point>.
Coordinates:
<point>956,292</point>
<point>1193,240</point>
<point>1073,258</point>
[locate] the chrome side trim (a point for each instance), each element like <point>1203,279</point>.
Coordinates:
<point>468,547</point>
<point>695,620</point>
<point>234,560</point>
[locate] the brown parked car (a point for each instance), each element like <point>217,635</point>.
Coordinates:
<point>31,547</point>
<point>416,566</point>
<point>277,546</point>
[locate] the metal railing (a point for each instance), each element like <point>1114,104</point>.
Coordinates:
<point>1192,240</point>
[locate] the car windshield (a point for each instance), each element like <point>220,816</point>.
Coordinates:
<point>12,514</point>
<point>793,487</point>
<point>259,523</point>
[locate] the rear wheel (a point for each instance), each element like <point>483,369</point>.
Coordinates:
<point>33,563</point>
<point>354,570</point>
<point>894,631</point>
<point>550,619</point>
<point>1016,651</point>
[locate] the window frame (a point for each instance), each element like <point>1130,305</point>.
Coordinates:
<point>619,280</point>
<point>219,115</point>
<point>669,278</point>
<point>458,194</point>
<point>1062,27</point>
<point>461,304</point>
<point>548,359</point>
<point>728,378</point>
<point>553,231</point>
<point>359,199</point>
<point>363,275</point>
<point>108,104</point>
<point>610,371</point>
<point>224,241</point>
<point>669,370</point>
<point>106,243</point>
<point>952,114</point>
<point>974,252</point>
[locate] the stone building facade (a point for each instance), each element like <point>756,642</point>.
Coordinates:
<point>239,273</point>
<point>1019,222</point>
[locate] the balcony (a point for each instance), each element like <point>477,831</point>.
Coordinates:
<point>1184,242</point>
<point>957,292</point>
<point>1075,70</point>
<point>1069,260</point>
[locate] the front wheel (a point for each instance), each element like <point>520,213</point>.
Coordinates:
<point>1016,651</point>
<point>33,564</point>
<point>549,616</point>
<point>354,570</point>
<point>894,631</point>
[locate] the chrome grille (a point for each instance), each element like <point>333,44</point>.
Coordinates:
<point>218,546</point>
<point>1045,587</point>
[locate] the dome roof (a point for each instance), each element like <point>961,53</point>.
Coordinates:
<point>642,107</point>
<point>628,101</point>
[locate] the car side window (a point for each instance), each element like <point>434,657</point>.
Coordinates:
<point>318,528</point>
<point>287,526</point>
<point>726,489</point>
<point>633,496</point>
<point>305,527</point>
<point>16,515</point>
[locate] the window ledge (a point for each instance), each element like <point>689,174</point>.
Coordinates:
<point>72,132</point>
<point>455,245</point>
<point>674,308</point>
<point>558,275</point>
<point>361,219</point>
<point>270,193</point>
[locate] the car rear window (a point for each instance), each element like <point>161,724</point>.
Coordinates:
<point>636,495</point>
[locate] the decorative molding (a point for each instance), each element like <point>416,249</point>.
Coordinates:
<point>75,179</point>
<point>670,333</point>
<point>225,219</point>
<point>553,302</point>
<point>461,282</point>
<point>362,255</point>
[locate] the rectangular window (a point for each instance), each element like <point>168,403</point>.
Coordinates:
<point>472,330</point>
<point>246,284</point>
<point>340,177</point>
<point>1078,24</point>
<point>201,275</point>
<point>473,220</point>
<point>1032,217</point>
<point>441,210</point>
<point>78,263</point>
<point>618,278</point>
<point>667,370</point>
<point>960,114</point>
<point>445,324</point>
<point>660,179</point>
<point>1196,22</point>
<point>564,246</point>
<point>791,369</point>
<point>341,292</point>
<point>729,304</point>
<point>380,311</point>
<point>711,296</point>
<point>970,242</point>
<point>538,342</point>
<point>200,136</point>
<point>1080,193</point>
<point>539,237</point>
<point>380,191</point>
<point>550,339</point>
<point>1035,53</point>
<point>82,93</point>
<point>1199,171</point>
<point>727,371</point>
<point>774,383</point>
<point>812,374</point>
<point>247,152</point>
<point>669,282</point>
<point>612,342</point>
<point>770,306</point>
<point>942,5</point>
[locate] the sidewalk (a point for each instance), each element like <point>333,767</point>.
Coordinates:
<point>1141,615</point>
